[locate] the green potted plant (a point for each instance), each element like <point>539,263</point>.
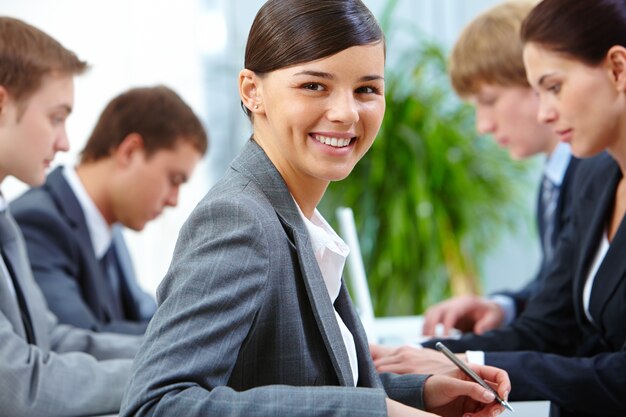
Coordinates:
<point>431,196</point>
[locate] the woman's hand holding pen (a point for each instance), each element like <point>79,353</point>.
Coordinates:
<point>449,392</point>
<point>455,394</point>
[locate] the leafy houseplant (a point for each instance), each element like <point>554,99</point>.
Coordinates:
<point>430,196</point>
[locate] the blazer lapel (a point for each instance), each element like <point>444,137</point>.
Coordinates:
<point>609,275</point>
<point>70,208</point>
<point>9,305</point>
<point>32,298</point>
<point>368,376</point>
<point>323,310</point>
<point>255,164</point>
<point>595,209</point>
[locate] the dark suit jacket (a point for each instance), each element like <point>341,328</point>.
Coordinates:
<point>64,262</point>
<point>245,326</point>
<point>561,219</point>
<point>578,365</point>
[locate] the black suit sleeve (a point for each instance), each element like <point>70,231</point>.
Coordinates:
<point>548,324</point>
<point>590,384</point>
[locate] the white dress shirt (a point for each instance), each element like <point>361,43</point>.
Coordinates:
<point>600,254</point>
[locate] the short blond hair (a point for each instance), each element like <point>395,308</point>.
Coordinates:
<point>489,50</point>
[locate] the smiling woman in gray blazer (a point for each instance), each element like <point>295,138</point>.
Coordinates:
<point>254,319</point>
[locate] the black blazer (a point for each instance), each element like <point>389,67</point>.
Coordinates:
<point>562,357</point>
<point>64,262</point>
<point>561,219</point>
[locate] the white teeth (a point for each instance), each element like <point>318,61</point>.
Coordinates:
<point>334,142</point>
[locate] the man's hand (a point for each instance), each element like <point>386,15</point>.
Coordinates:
<point>467,313</point>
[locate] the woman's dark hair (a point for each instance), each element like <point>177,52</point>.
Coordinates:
<point>289,32</point>
<point>586,30</point>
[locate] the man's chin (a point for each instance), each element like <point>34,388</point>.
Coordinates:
<point>135,226</point>
<point>34,180</point>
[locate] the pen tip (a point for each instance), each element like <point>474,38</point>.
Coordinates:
<point>508,406</point>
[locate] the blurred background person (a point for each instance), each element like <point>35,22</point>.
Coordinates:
<point>47,368</point>
<point>569,345</point>
<point>143,148</point>
<point>487,69</point>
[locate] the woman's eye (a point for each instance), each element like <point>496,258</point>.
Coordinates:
<point>313,86</point>
<point>368,90</point>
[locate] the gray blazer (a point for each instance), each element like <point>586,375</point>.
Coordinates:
<point>70,372</point>
<point>245,326</point>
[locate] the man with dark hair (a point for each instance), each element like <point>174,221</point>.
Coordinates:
<point>46,368</point>
<point>146,143</point>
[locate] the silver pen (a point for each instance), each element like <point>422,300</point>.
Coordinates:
<point>469,372</point>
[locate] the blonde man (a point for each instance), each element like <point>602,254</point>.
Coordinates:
<point>486,69</point>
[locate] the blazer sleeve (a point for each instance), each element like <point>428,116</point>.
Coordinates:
<point>548,323</point>
<point>407,389</point>
<point>34,382</point>
<point>102,346</point>
<point>57,268</point>
<point>209,300</point>
<point>520,297</point>
<point>583,384</point>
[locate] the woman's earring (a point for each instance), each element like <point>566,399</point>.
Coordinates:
<point>256,107</point>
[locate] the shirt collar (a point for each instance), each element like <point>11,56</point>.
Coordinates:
<point>557,163</point>
<point>322,234</point>
<point>98,228</point>
<point>3,203</point>
<point>329,249</point>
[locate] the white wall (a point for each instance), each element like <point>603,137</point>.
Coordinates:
<point>128,44</point>
<point>196,47</point>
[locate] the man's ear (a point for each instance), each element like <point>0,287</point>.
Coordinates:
<point>616,61</point>
<point>250,91</point>
<point>129,148</point>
